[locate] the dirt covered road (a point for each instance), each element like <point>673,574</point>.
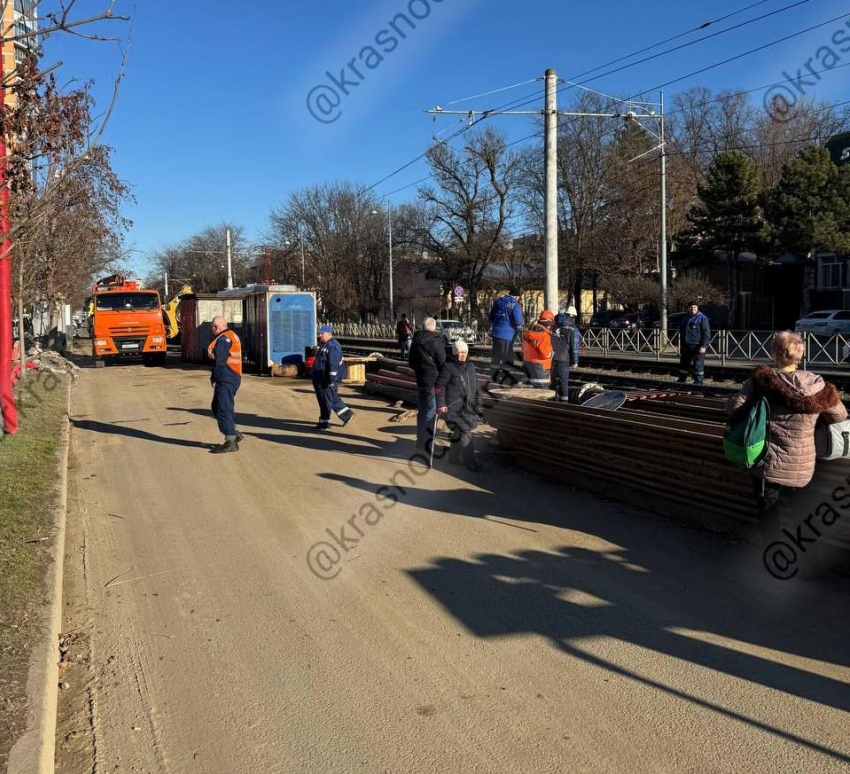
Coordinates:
<point>323,605</point>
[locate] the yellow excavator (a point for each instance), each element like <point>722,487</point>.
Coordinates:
<point>171,311</point>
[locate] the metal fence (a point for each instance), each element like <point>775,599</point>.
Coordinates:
<point>365,330</point>
<point>725,346</point>
<point>650,344</point>
<point>388,331</point>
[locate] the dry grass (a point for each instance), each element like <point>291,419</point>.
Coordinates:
<point>28,490</point>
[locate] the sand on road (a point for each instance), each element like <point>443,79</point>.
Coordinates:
<point>475,623</point>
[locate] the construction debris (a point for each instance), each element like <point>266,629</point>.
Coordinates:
<point>48,361</point>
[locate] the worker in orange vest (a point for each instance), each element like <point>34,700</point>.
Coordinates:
<point>226,350</point>
<point>537,352</point>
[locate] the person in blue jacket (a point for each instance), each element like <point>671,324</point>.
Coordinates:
<point>695,338</point>
<point>505,322</point>
<point>327,372</point>
<point>225,350</point>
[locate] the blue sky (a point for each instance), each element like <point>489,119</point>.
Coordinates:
<point>212,122</point>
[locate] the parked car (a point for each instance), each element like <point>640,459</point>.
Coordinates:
<point>826,323</point>
<point>602,319</point>
<point>453,330</point>
<point>633,320</point>
<point>675,320</point>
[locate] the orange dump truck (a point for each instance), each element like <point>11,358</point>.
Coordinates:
<point>127,322</point>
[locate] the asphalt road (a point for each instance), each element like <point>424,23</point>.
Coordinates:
<point>476,623</point>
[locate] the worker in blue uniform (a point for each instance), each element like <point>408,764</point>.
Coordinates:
<point>327,372</point>
<point>226,351</point>
<point>695,336</point>
<point>506,320</point>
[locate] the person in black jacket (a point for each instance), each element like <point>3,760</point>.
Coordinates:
<point>695,338</point>
<point>459,400</point>
<point>427,359</point>
<point>566,343</point>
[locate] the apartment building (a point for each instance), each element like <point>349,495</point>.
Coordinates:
<point>20,17</point>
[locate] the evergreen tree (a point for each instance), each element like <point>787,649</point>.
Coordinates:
<point>809,211</point>
<point>728,216</point>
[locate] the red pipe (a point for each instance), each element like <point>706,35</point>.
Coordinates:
<point>7,397</point>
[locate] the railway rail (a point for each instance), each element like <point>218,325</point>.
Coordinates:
<point>616,370</point>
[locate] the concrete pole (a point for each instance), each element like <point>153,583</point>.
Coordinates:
<point>229,262</point>
<point>551,142</point>
<point>303,281</point>
<point>166,287</point>
<point>390,226</point>
<point>663,251</point>
<point>8,411</point>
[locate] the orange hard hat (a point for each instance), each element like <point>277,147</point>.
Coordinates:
<point>548,316</point>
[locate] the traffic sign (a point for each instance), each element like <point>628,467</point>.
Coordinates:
<point>459,291</point>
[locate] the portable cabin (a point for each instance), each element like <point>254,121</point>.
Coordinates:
<point>279,324</point>
<point>197,311</point>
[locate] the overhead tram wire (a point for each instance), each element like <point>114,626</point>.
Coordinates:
<point>703,26</point>
<point>704,69</point>
<point>520,103</point>
<point>507,105</point>
<point>677,111</point>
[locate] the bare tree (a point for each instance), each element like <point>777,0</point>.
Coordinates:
<point>345,242</point>
<point>468,207</point>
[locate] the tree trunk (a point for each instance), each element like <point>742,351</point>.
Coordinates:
<point>732,271</point>
<point>21,334</point>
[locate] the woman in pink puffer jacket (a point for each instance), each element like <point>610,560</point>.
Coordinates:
<point>797,399</point>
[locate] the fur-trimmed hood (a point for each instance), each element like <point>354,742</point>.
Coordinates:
<point>801,391</point>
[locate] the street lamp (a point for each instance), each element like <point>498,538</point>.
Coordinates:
<point>390,230</point>
<point>662,147</point>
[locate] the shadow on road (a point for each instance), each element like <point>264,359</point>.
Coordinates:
<point>299,434</point>
<point>131,432</point>
<point>691,596</point>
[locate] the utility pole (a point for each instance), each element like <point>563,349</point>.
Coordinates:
<point>663,251</point>
<point>551,114</point>
<point>390,226</point>
<point>550,145</point>
<point>550,294</point>
<point>229,262</point>
<point>166,286</point>
<point>7,398</point>
<point>301,245</point>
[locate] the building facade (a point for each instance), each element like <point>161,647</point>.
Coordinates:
<point>20,17</point>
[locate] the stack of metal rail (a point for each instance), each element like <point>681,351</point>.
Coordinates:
<point>398,381</point>
<point>660,452</point>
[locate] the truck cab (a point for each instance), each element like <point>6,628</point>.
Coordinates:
<point>127,322</point>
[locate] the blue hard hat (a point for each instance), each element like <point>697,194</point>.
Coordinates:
<point>326,329</point>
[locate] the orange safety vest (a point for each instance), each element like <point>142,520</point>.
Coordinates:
<point>537,347</point>
<point>234,359</point>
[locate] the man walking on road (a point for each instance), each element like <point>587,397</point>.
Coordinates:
<point>505,321</point>
<point>327,373</point>
<point>226,350</point>
<point>695,338</point>
<point>427,359</point>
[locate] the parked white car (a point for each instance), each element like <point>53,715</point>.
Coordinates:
<point>453,330</point>
<point>825,323</point>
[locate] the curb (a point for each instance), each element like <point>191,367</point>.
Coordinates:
<point>35,751</point>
